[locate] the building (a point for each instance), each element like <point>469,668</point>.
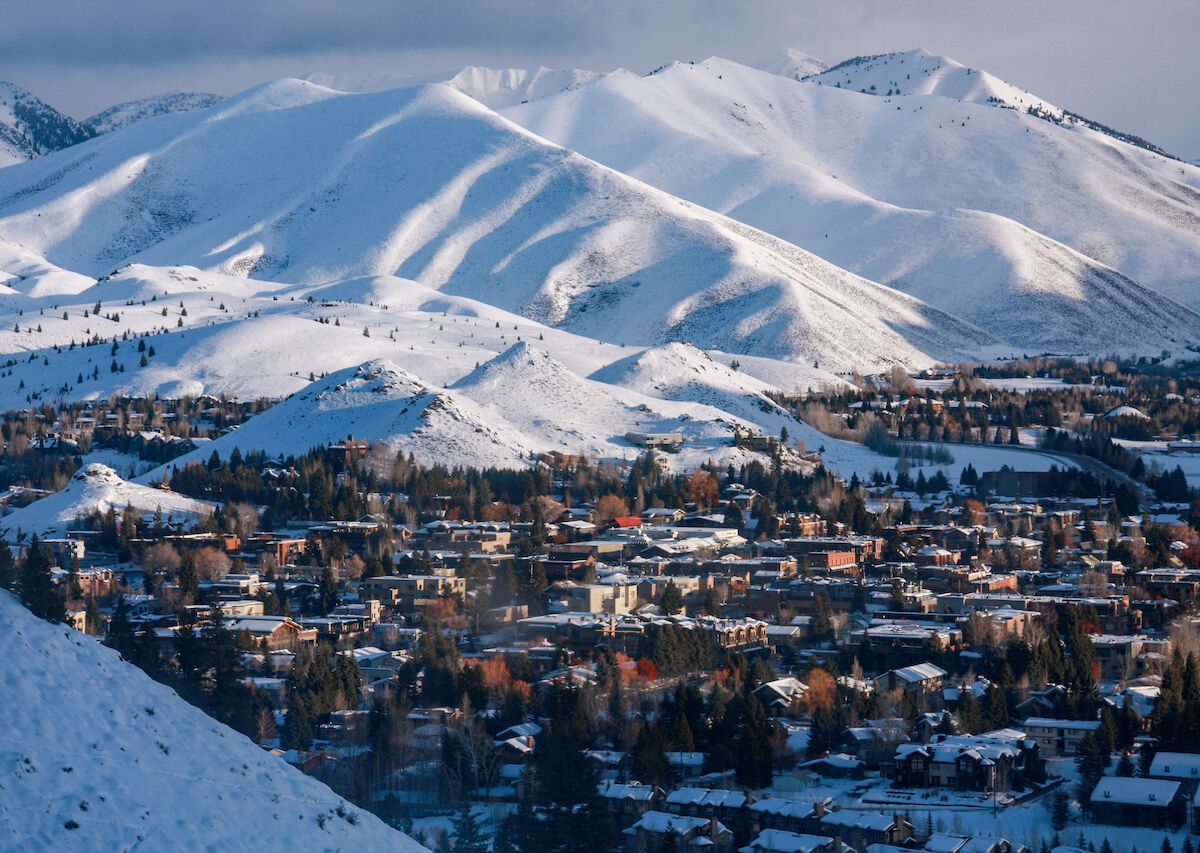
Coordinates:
<point>651,831</point>
<point>1138,802</point>
<point>278,632</point>
<point>782,841</point>
<point>668,441</point>
<point>1059,737</point>
<point>921,681</point>
<point>992,762</point>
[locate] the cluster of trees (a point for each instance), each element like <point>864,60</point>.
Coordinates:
<point>31,578</point>
<point>207,669</point>
<point>318,684</point>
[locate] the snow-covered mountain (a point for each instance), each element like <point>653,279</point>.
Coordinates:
<point>503,414</point>
<point>134,767</point>
<point>98,488</point>
<point>120,115</point>
<point>298,183</point>
<point>949,201</point>
<point>793,64</point>
<point>919,72</point>
<point>30,127</point>
<point>507,87</point>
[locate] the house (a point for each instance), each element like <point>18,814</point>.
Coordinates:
<point>1059,737</point>
<point>921,681</point>
<point>782,841</point>
<point>1182,767</point>
<point>1138,802</point>
<point>725,806</point>
<point>859,829</point>
<point>628,803</point>
<point>997,761</point>
<point>651,831</point>
<point>783,696</point>
<point>779,813</point>
<point>278,632</point>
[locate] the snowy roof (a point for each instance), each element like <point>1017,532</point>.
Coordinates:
<point>1135,792</point>
<point>864,820</point>
<point>663,822</point>
<point>780,841</point>
<point>1175,765</point>
<point>920,672</point>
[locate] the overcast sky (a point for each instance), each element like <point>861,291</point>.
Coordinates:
<point>1134,66</point>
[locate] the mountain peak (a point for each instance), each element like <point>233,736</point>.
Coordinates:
<point>791,63</point>
<point>29,127</point>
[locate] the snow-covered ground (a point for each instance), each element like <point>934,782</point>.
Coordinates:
<point>134,767</point>
<point>97,488</point>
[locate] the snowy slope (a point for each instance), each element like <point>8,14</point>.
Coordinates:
<point>919,72</point>
<point>502,414</point>
<point>97,488</point>
<point>120,115</point>
<point>297,183</point>
<point>507,87</point>
<point>134,767</point>
<point>791,63</point>
<point>30,127</point>
<point>682,372</point>
<point>948,201</point>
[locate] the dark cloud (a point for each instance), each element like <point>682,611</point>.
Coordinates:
<point>1133,66</point>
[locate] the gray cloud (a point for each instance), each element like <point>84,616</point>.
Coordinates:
<point>1133,66</point>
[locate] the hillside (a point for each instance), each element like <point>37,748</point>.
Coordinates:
<point>793,64</point>
<point>507,87</point>
<point>29,127</point>
<point>293,182</point>
<point>133,766</point>
<point>98,488</point>
<point>965,206</point>
<point>120,115</point>
<point>919,72</point>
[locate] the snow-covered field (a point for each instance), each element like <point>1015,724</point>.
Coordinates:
<point>134,767</point>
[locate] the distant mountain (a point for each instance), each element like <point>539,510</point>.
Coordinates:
<point>793,64</point>
<point>147,771</point>
<point>293,182</point>
<point>990,215</point>
<point>119,116</point>
<point>30,127</point>
<point>506,87</point>
<point>919,72</point>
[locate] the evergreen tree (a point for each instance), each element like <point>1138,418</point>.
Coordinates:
<point>671,600</point>
<point>822,621</point>
<point>8,567</point>
<point>328,590</point>
<point>120,630</point>
<point>1060,811</point>
<point>469,836</point>
<point>38,591</point>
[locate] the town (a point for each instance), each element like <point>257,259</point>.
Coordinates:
<point>767,659</point>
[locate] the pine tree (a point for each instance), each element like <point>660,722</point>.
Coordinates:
<point>469,836</point>
<point>120,630</point>
<point>1060,812</point>
<point>38,590</point>
<point>297,726</point>
<point>328,590</point>
<point>8,567</point>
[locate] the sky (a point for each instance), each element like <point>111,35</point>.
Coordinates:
<point>1133,66</point>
